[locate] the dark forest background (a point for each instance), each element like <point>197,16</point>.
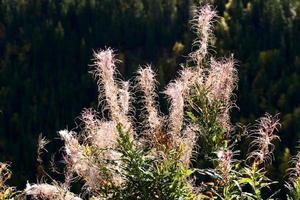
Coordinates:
<point>46,48</point>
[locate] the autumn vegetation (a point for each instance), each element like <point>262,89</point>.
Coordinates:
<point>128,149</point>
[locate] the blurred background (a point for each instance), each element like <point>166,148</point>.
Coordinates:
<point>46,48</point>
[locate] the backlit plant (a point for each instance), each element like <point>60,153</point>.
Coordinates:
<point>190,153</point>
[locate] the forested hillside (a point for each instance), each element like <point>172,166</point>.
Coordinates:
<point>46,47</point>
<point>264,36</point>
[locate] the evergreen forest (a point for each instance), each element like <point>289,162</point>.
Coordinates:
<point>47,48</point>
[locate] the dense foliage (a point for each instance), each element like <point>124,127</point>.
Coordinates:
<point>45,48</point>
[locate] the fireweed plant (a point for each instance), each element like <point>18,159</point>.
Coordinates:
<point>191,153</point>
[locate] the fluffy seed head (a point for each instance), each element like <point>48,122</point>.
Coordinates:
<point>42,142</point>
<point>202,24</point>
<point>49,192</point>
<point>106,136</point>
<point>78,162</point>
<point>90,121</point>
<point>261,148</point>
<point>220,82</point>
<point>222,79</point>
<point>72,146</point>
<point>174,92</point>
<point>124,97</point>
<point>104,72</point>
<point>189,139</point>
<point>146,81</point>
<point>102,134</point>
<point>187,77</point>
